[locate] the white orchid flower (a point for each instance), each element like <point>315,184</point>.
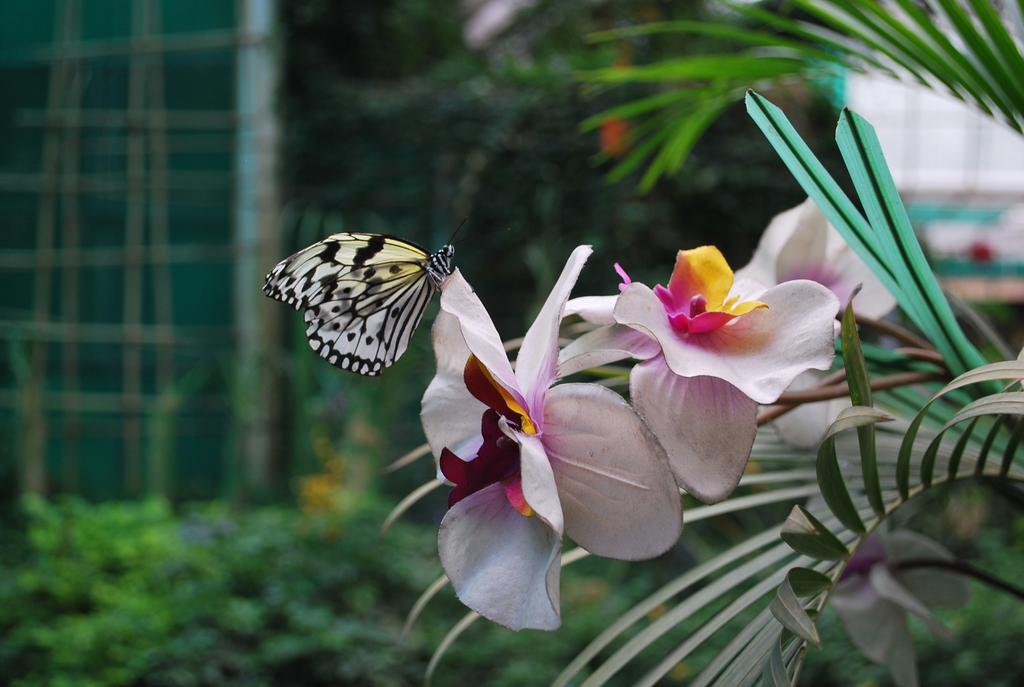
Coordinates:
<point>876,595</point>
<point>800,244</point>
<point>531,461</point>
<point>712,349</point>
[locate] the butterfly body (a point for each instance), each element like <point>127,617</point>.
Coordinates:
<point>363,295</point>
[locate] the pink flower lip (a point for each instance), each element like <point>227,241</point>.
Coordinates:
<point>691,316</point>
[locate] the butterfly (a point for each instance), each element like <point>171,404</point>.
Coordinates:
<point>364,295</point>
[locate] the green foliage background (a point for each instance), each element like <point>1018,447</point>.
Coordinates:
<point>133,594</point>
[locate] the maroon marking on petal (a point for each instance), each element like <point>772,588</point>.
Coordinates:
<point>484,389</point>
<point>452,467</point>
<point>496,460</point>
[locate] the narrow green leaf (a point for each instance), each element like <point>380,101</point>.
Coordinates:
<point>680,584</point>
<point>968,73</point>
<point>807,582</point>
<point>826,194</point>
<point>446,643</point>
<point>682,139</point>
<point>860,395</point>
<point>897,34</point>
<point>888,217</point>
<point>807,535</point>
<point>847,28</point>
<point>636,156</point>
<point>722,586</point>
<point>788,610</point>
<point>995,404</point>
<point>856,416</point>
<point>1007,47</point>
<point>830,477</point>
<point>775,674</point>
<point>958,451</point>
<point>723,668</point>
<point>979,48</point>
<point>1011,448</point>
<point>833,486</point>
<point>727,31</point>
<point>1009,369</point>
<point>695,640</point>
<point>839,47</point>
<point>986,446</point>
<point>700,67</point>
<point>636,107</point>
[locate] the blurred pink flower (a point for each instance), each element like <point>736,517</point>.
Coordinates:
<point>875,596</point>
<point>800,244</point>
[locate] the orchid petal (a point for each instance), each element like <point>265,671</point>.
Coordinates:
<point>760,353</point>
<point>706,425</point>
<point>538,482</point>
<point>596,309</point>
<point>614,482</point>
<point>888,587</point>
<point>776,244</point>
<point>502,565</point>
<point>701,271</point>
<point>805,425</point>
<point>877,627</point>
<point>481,338</point>
<point>934,587</point>
<point>806,246</point>
<point>873,300</point>
<point>603,346</point>
<point>537,363</point>
<point>450,414</point>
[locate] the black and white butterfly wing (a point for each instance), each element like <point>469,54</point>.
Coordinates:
<point>363,296</point>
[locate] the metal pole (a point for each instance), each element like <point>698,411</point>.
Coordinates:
<point>257,206</point>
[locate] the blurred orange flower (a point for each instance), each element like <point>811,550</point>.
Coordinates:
<point>616,137</point>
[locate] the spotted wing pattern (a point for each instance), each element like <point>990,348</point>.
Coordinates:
<point>363,296</point>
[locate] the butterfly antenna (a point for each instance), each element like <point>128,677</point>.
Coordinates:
<point>456,232</point>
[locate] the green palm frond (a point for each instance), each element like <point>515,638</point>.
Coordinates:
<point>959,47</point>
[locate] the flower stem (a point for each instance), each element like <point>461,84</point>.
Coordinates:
<point>790,400</point>
<point>963,568</point>
<point>894,330</point>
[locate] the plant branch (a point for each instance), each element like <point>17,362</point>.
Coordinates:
<point>790,400</point>
<point>928,355</point>
<point>894,330</point>
<point>963,568</point>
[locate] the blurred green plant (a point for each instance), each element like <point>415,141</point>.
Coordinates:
<point>964,49</point>
<point>133,593</point>
<point>130,593</point>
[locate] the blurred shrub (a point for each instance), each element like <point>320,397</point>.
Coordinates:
<point>129,593</point>
<point>133,594</point>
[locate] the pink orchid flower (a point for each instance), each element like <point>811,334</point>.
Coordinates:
<point>712,348</point>
<point>531,461</point>
<point>800,244</point>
